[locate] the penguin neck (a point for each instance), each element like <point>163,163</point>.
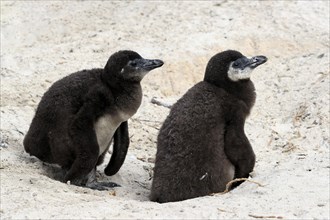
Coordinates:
<point>127,94</point>
<point>243,90</point>
<point>127,88</point>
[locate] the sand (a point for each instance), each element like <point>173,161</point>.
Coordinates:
<point>43,41</point>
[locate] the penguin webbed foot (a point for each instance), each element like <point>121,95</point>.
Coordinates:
<point>89,181</point>
<point>101,186</point>
<point>95,185</point>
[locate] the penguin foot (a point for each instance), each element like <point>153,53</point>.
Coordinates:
<point>102,185</point>
<point>89,181</point>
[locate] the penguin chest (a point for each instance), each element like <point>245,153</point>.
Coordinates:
<point>105,127</point>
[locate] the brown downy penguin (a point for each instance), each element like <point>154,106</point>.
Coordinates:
<point>202,145</point>
<point>79,115</point>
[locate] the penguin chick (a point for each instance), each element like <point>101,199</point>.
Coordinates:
<point>79,115</point>
<point>202,146</point>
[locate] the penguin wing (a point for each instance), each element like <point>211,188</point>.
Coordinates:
<point>120,147</point>
<point>237,146</point>
<point>83,139</point>
<point>95,103</point>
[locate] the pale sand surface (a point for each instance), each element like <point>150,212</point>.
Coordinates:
<point>43,41</point>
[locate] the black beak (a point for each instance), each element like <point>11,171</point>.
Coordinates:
<point>252,63</point>
<point>256,61</point>
<point>147,65</point>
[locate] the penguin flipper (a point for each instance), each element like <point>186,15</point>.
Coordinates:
<point>238,148</point>
<point>120,147</point>
<point>84,141</point>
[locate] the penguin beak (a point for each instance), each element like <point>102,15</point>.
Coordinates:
<point>147,65</point>
<point>255,61</point>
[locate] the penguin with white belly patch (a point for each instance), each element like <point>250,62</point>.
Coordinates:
<point>80,114</point>
<point>202,145</point>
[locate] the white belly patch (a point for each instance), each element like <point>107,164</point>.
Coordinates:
<point>231,171</point>
<point>105,128</point>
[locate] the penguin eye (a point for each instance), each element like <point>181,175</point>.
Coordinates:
<point>133,63</point>
<point>235,64</point>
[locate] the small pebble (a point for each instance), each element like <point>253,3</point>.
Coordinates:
<point>112,193</point>
<point>33,180</point>
<point>4,145</point>
<point>252,174</point>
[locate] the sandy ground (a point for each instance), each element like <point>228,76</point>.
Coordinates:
<point>43,41</point>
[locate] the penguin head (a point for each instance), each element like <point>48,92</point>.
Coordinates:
<point>231,65</point>
<point>130,66</point>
